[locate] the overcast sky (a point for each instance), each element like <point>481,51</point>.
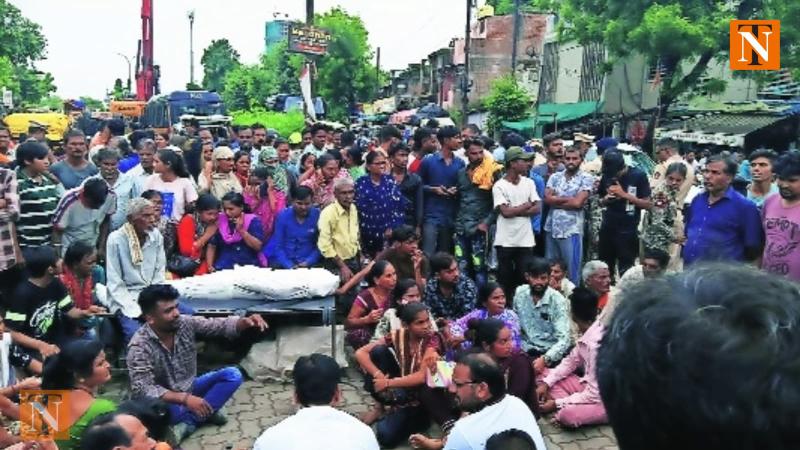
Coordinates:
<point>84,36</point>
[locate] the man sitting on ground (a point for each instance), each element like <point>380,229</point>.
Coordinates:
<point>316,390</point>
<point>544,317</point>
<point>704,360</point>
<point>449,293</point>
<point>135,260</point>
<point>479,387</point>
<point>117,432</point>
<point>405,255</point>
<point>653,264</point>
<point>162,360</point>
<point>597,278</point>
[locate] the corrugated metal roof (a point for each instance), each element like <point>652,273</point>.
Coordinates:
<point>726,123</point>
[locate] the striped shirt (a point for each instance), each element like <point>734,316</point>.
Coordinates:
<point>9,213</point>
<point>37,201</point>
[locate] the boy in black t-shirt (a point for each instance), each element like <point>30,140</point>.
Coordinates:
<point>41,311</point>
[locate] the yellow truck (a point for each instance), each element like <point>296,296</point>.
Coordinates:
<point>56,124</point>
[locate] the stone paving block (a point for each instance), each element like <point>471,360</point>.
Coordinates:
<point>595,443</point>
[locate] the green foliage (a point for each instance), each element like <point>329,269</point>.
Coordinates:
<point>247,87</point>
<point>51,103</point>
<point>119,91</point>
<point>346,74</point>
<point>284,123</point>
<point>506,101</point>
<point>218,59</point>
<point>21,44</point>
<point>193,87</point>
<point>285,68</point>
<point>502,7</point>
<point>673,33</point>
<point>93,104</point>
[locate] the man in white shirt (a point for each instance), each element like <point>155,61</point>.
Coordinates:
<point>317,424</point>
<point>479,387</point>
<point>516,199</point>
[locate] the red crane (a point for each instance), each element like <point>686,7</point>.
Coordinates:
<point>146,73</point>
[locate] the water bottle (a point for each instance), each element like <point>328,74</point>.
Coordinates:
<point>630,209</point>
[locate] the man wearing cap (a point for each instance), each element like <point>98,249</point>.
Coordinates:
<point>667,154</point>
<point>516,200</point>
<point>624,191</point>
<point>584,142</point>
<point>220,179</point>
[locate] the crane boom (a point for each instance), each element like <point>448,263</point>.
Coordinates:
<point>146,72</point>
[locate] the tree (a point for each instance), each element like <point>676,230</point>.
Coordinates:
<point>507,101</point>
<point>346,74</point>
<point>119,91</point>
<point>679,36</point>
<point>93,104</point>
<point>21,45</point>
<point>285,67</point>
<point>218,59</point>
<point>502,7</point>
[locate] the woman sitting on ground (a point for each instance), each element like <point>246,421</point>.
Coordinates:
<point>405,292</point>
<point>494,337</point>
<point>219,179</point>
<point>396,369</point>
<point>577,398</point>
<point>80,275</point>
<point>196,230</point>
<point>492,299</point>
<point>239,237</point>
<point>261,197</point>
<point>370,304</point>
<point>80,368</point>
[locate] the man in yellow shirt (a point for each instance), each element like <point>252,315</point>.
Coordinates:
<point>338,231</point>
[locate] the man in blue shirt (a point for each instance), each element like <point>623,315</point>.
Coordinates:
<point>294,243</point>
<point>439,173</point>
<point>722,224</point>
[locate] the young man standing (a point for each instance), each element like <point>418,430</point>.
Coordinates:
<point>624,191</point>
<point>424,145</point>
<point>6,152</point>
<point>566,194</point>
<point>410,185</point>
<point>781,216</point>
<point>39,193</point>
<point>439,173</point>
<point>75,168</point>
<point>10,253</point>
<point>761,168</point>
<point>475,211</point>
<point>162,360</point>
<point>516,199</point>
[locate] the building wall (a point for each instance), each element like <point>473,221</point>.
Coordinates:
<point>568,84</point>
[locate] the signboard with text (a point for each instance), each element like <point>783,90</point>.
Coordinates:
<point>309,40</point>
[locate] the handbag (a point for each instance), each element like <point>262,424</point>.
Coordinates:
<point>182,266</point>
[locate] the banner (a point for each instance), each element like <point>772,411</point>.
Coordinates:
<point>305,88</point>
<point>308,40</point>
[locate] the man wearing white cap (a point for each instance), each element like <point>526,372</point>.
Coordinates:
<point>584,142</point>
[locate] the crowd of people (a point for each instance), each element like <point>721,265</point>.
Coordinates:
<point>505,275</point>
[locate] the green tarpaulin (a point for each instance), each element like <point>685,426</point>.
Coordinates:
<point>549,113</point>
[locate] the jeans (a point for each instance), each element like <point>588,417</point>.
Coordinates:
<point>131,326</point>
<point>215,388</point>
<point>618,249</point>
<point>569,250</point>
<point>470,252</point>
<point>511,263</point>
<point>437,238</point>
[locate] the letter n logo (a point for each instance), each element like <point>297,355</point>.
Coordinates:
<point>755,44</point>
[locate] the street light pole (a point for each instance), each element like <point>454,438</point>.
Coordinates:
<point>465,85</point>
<point>128,60</point>
<point>514,43</point>
<point>191,47</point>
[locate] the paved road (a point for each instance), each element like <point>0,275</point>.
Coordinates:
<point>257,406</point>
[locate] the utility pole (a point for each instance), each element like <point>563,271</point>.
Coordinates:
<point>378,72</point>
<point>309,12</point>
<point>465,85</point>
<point>514,42</point>
<point>191,47</point>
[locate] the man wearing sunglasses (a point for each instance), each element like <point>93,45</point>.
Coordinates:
<point>479,388</point>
